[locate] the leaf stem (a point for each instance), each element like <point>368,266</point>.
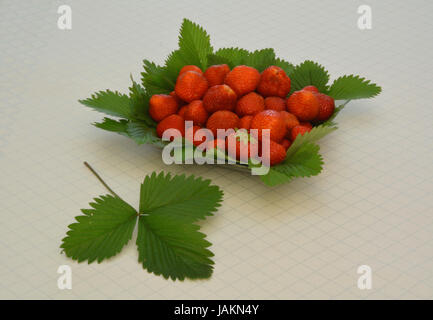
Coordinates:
<point>101,180</point>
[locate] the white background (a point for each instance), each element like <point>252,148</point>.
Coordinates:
<point>371,205</point>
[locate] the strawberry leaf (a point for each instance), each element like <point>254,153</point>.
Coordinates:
<point>286,66</point>
<point>139,102</point>
<point>353,87</point>
<point>142,133</point>
<point>110,102</point>
<point>102,231</point>
<point>172,249</point>
<point>156,79</point>
<point>112,125</point>
<point>260,59</point>
<point>231,56</point>
<point>309,73</point>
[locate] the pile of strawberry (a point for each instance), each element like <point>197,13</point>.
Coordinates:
<point>241,98</point>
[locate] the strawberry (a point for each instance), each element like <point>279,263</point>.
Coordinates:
<point>304,105</point>
<point>190,86</point>
<point>245,122</point>
<point>299,130</point>
<point>306,124</point>
<point>311,88</point>
<point>277,153</point>
<point>286,144</point>
<point>216,74</point>
<point>274,82</point>
<point>196,112</point>
<point>290,120</point>
<point>219,97</point>
<point>239,145</point>
<point>326,107</point>
<point>222,119</point>
<point>269,119</point>
<point>182,111</point>
<point>161,106</point>
<point>173,121</point>
<point>179,101</point>
<point>190,68</point>
<point>250,104</point>
<point>190,135</point>
<point>275,103</point>
<point>243,79</point>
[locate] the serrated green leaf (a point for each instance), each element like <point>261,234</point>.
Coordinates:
<point>102,231</point>
<point>309,73</point>
<point>109,102</point>
<point>184,199</point>
<point>139,102</point>
<point>174,62</point>
<point>314,135</point>
<point>172,249</point>
<point>274,177</point>
<point>141,133</point>
<point>260,59</point>
<point>156,79</point>
<point>232,56</point>
<point>353,87</point>
<point>286,66</point>
<point>194,44</point>
<point>108,124</point>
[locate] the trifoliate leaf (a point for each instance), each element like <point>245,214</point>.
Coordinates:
<point>110,102</point>
<point>184,199</point>
<point>102,231</point>
<point>194,44</point>
<point>108,124</point>
<point>309,73</point>
<point>232,56</point>
<point>142,133</point>
<point>172,249</point>
<point>156,79</point>
<point>353,87</point>
<point>260,59</point>
<point>286,66</point>
<point>139,101</point>
<point>304,162</point>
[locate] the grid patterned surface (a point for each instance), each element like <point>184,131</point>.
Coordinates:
<point>371,205</point>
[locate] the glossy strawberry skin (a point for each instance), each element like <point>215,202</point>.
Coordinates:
<point>243,79</point>
<point>286,143</point>
<point>173,121</point>
<point>161,106</point>
<point>326,107</point>
<point>196,113</point>
<point>190,86</point>
<point>250,104</point>
<point>274,82</point>
<point>290,120</point>
<point>275,103</point>
<point>219,97</point>
<point>245,122</point>
<point>190,68</point>
<point>304,105</point>
<point>216,74</point>
<point>311,88</point>
<point>222,119</point>
<point>272,120</point>
<point>277,153</point>
<point>299,130</point>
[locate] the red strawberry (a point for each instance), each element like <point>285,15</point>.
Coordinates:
<point>286,143</point>
<point>161,106</point>
<point>222,119</point>
<point>179,101</point>
<point>196,113</point>
<point>290,120</point>
<point>306,124</point>
<point>190,86</point>
<point>182,111</point>
<point>277,153</point>
<point>216,74</point>
<point>190,135</point>
<point>242,79</point>
<point>219,97</point>
<point>239,145</point>
<point>245,122</point>
<point>326,107</point>
<point>304,105</point>
<point>299,130</point>
<point>274,82</point>
<point>190,68</point>
<point>311,88</point>
<point>275,103</point>
<point>173,121</point>
<point>250,104</point>
<point>269,119</point>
